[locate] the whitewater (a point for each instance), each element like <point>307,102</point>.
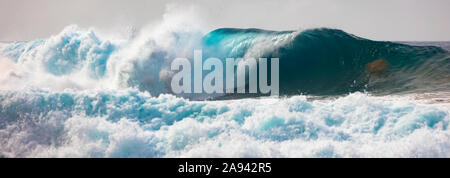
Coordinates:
<point>81,94</point>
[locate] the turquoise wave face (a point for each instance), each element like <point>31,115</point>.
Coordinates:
<point>317,62</point>
<point>329,62</point>
<point>134,124</point>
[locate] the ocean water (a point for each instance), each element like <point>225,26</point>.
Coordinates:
<point>79,93</point>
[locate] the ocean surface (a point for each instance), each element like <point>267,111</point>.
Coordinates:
<point>80,93</point>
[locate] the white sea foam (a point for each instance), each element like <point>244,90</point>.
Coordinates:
<point>80,59</point>
<point>135,124</point>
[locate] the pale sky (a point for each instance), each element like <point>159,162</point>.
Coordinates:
<point>395,20</point>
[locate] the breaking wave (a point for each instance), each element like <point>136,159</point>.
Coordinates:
<point>332,62</point>
<point>318,61</point>
<point>80,94</point>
